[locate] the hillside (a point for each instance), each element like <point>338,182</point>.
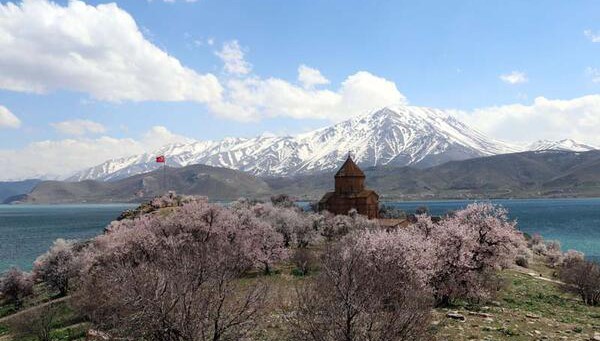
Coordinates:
<point>517,175</point>
<point>541,174</point>
<point>217,183</point>
<point>11,188</point>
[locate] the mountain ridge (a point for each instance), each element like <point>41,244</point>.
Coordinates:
<point>539,174</point>
<point>215,182</point>
<point>400,136</point>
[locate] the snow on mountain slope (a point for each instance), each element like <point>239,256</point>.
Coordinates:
<point>564,145</point>
<point>399,136</point>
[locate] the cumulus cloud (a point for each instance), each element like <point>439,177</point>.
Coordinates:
<point>551,119</point>
<point>79,127</point>
<point>8,119</point>
<point>159,136</point>
<point>98,50</point>
<point>61,158</point>
<point>233,58</point>
<point>515,77</point>
<point>592,36</point>
<point>254,98</point>
<point>310,77</point>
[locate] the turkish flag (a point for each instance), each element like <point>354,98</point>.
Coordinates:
<point>160,159</point>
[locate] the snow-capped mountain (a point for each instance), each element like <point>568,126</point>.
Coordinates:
<point>563,145</point>
<point>397,136</point>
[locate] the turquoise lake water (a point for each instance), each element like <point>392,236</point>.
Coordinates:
<point>573,222</point>
<point>26,231</point>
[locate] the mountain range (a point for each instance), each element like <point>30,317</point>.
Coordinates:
<point>401,136</point>
<point>538,174</point>
<point>215,182</point>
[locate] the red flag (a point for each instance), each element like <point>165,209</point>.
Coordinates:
<point>160,159</point>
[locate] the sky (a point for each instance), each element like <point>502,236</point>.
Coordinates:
<point>82,82</point>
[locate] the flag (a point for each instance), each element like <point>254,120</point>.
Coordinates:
<point>160,159</point>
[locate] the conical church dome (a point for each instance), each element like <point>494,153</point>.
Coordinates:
<point>349,168</point>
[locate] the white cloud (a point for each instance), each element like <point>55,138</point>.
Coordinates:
<point>79,127</point>
<point>61,158</point>
<point>254,98</point>
<point>593,73</point>
<point>98,50</point>
<point>233,58</point>
<point>8,119</point>
<point>593,37</point>
<point>551,119</point>
<point>310,77</point>
<point>514,77</point>
<point>159,136</point>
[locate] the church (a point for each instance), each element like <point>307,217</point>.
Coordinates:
<point>350,193</point>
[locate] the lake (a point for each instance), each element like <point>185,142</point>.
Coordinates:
<point>573,222</point>
<point>27,231</point>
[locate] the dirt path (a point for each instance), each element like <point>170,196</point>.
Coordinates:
<point>21,312</point>
<point>537,275</point>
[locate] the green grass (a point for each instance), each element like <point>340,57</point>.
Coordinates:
<point>528,308</point>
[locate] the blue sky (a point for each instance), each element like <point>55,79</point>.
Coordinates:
<point>501,66</point>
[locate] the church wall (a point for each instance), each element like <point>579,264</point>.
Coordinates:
<point>345,185</point>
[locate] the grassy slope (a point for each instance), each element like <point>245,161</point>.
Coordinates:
<point>528,308</point>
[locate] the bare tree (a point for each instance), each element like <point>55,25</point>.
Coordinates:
<point>36,323</point>
<point>361,296</point>
<point>15,285</point>
<point>583,278</point>
<point>58,266</point>
<point>176,277</point>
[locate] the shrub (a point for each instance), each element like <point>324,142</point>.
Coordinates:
<point>553,254</point>
<point>539,249</point>
<point>469,247</point>
<point>295,226</point>
<point>36,323</point>
<point>571,257</point>
<point>583,278</point>
<point>282,200</point>
<point>367,290</point>
<point>304,261</point>
<point>15,285</point>
<point>390,212</point>
<point>334,227</point>
<point>537,239</point>
<point>523,257</point>
<point>57,267</point>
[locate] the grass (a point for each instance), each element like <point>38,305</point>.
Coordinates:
<point>528,308</point>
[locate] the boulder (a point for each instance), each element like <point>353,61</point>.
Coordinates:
<point>96,335</point>
<point>456,316</point>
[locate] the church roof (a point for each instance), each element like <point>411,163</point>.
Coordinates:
<point>365,193</point>
<point>349,168</point>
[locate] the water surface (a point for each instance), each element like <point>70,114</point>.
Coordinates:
<point>27,231</point>
<point>573,222</point>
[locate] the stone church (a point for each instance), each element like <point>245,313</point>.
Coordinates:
<point>350,192</point>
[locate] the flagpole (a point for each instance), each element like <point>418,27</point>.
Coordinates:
<point>165,175</point>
